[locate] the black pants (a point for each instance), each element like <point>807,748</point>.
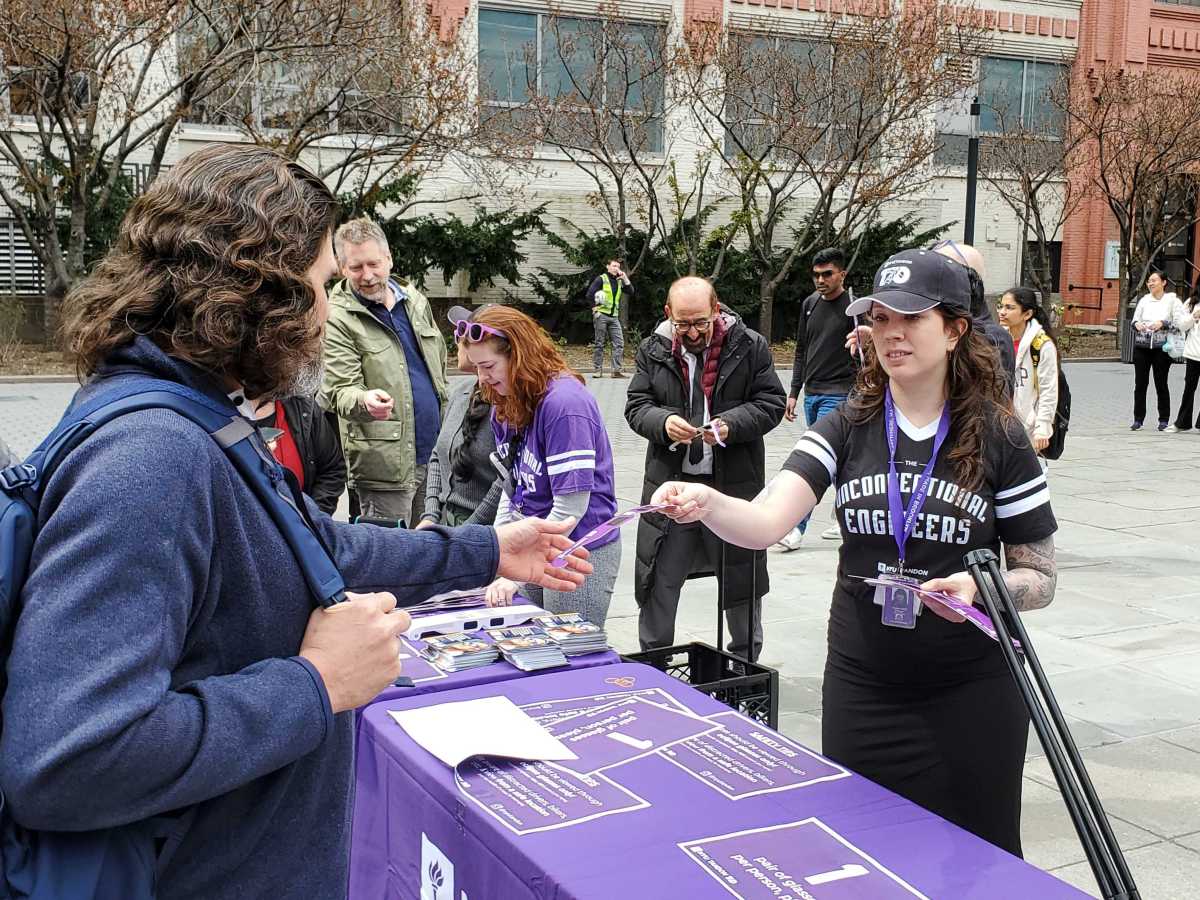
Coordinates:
<point>958,750</point>
<point>1146,360</point>
<point>1191,378</point>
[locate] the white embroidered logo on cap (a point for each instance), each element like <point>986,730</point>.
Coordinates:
<point>897,275</point>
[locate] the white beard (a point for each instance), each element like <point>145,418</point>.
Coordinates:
<point>307,380</point>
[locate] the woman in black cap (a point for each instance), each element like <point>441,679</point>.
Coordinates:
<point>916,701</point>
<point>463,487</point>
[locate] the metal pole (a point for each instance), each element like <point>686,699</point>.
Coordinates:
<point>972,174</point>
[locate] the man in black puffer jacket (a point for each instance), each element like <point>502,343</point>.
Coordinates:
<point>702,365</point>
<point>308,446</point>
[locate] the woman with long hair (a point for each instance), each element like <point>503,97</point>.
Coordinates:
<point>1191,356</point>
<point>928,465</point>
<point>1157,313</point>
<point>1035,393</point>
<point>551,438</point>
<point>462,486</point>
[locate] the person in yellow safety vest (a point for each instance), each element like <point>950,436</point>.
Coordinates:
<point>607,291</point>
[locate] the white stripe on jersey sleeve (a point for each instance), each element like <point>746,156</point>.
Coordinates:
<point>820,440</point>
<point>571,466</point>
<point>1021,488</point>
<point>814,448</point>
<point>1008,510</point>
<point>570,455</point>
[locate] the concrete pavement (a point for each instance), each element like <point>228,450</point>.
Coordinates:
<point>1121,641</point>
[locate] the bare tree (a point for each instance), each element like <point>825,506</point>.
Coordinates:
<point>89,91</point>
<point>1025,162</point>
<point>816,133</point>
<point>1139,151</point>
<point>596,92</point>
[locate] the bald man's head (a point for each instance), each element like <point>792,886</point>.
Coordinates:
<point>965,254</point>
<point>692,299</point>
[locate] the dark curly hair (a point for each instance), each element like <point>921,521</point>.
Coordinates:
<point>975,390</point>
<point>211,264</point>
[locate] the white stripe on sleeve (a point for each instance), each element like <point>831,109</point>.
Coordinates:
<point>571,466</point>
<point>570,454</point>
<point>1008,510</point>
<point>1021,488</point>
<point>813,449</point>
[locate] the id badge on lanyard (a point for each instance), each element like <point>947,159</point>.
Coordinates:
<point>900,603</point>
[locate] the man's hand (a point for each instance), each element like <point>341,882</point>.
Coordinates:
<point>722,431</point>
<point>355,647</point>
<point>789,412</point>
<point>425,523</point>
<point>500,592</point>
<point>679,430</point>
<point>378,403</point>
<point>528,546</point>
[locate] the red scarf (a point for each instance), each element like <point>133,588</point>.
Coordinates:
<point>712,357</point>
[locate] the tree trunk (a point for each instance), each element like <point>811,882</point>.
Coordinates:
<point>56,293</point>
<point>766,308</point>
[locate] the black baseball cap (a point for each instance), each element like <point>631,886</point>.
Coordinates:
<point>913,281</point>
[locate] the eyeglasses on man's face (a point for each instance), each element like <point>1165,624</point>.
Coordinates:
<point>701,326</point>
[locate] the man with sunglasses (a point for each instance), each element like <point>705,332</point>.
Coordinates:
<point>821,368</point>
<point>701,366</point>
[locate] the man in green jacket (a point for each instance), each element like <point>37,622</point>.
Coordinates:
<point>385,375</point>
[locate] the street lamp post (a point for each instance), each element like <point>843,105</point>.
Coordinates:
<point>972,174</point>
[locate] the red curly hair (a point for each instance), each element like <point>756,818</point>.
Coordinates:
<point>533,361</point>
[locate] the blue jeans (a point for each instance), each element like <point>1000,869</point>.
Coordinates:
<point>817,406</point>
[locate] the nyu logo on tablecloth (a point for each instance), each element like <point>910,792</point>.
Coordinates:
<point>625,681</point>
<point>437,872</point>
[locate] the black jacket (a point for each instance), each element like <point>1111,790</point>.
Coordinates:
<point>320,452</point>
<point>748,397</point>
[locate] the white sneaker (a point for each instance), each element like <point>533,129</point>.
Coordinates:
<point>792,540</point>
<point>1171,429</point>
<point>832,533</point>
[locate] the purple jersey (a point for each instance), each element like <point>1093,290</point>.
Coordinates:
<point>564,450</point>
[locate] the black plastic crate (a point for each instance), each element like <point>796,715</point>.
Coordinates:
<point>750,688</point>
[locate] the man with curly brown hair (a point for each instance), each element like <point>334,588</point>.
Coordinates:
<point>171,690</point>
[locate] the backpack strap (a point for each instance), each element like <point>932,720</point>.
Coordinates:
<point>1035,348</point>
<point>237,437</point>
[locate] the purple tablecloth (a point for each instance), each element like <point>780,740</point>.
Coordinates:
<point>673,796</point>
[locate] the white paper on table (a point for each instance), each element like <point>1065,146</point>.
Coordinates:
<point>489,726</point>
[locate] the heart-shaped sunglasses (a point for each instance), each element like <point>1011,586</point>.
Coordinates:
<point>474,331</point>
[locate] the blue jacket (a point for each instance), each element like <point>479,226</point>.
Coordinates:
<point>154,665</point>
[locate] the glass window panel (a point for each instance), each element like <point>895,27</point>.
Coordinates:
<point>1041,80</point>
<point>635,76</point>
<point>1000,82</point>
<point>507,42</point>
<point>569,54</point>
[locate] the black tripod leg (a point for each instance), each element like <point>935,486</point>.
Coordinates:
<point>721,602</point>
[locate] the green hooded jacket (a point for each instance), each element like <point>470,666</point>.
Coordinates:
<point>362,355</point>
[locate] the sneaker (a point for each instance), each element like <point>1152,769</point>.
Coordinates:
<point>1170,429</point>
<point>832,533</point>
<point>1162,425</point>
<point>619,374</point>
<point>792,540</point>
<point>1135,426</point>
<point>599,373</point>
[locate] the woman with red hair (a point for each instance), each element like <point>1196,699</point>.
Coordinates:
<point>551,439</point>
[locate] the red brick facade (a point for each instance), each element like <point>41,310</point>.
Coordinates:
<point>1128,34</point>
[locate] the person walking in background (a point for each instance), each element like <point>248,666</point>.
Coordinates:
<point>1190,324</point>
<point>607,291</point>
<point>463,487</point>
<point>981,311</point>
<point>551,438</point>
<point>913,698</point>
<point>385,375</point>
<point>821,368</point>
<point>307,446</point>
<point>1158,312</point>
<point>702,365</point>
<point>1035,394</point>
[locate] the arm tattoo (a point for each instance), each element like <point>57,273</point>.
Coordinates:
<point>1032,573</point>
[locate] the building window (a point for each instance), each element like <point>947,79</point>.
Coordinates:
<point>1015,95</point>
<point>1033,260</point>
<point>522,55</point>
